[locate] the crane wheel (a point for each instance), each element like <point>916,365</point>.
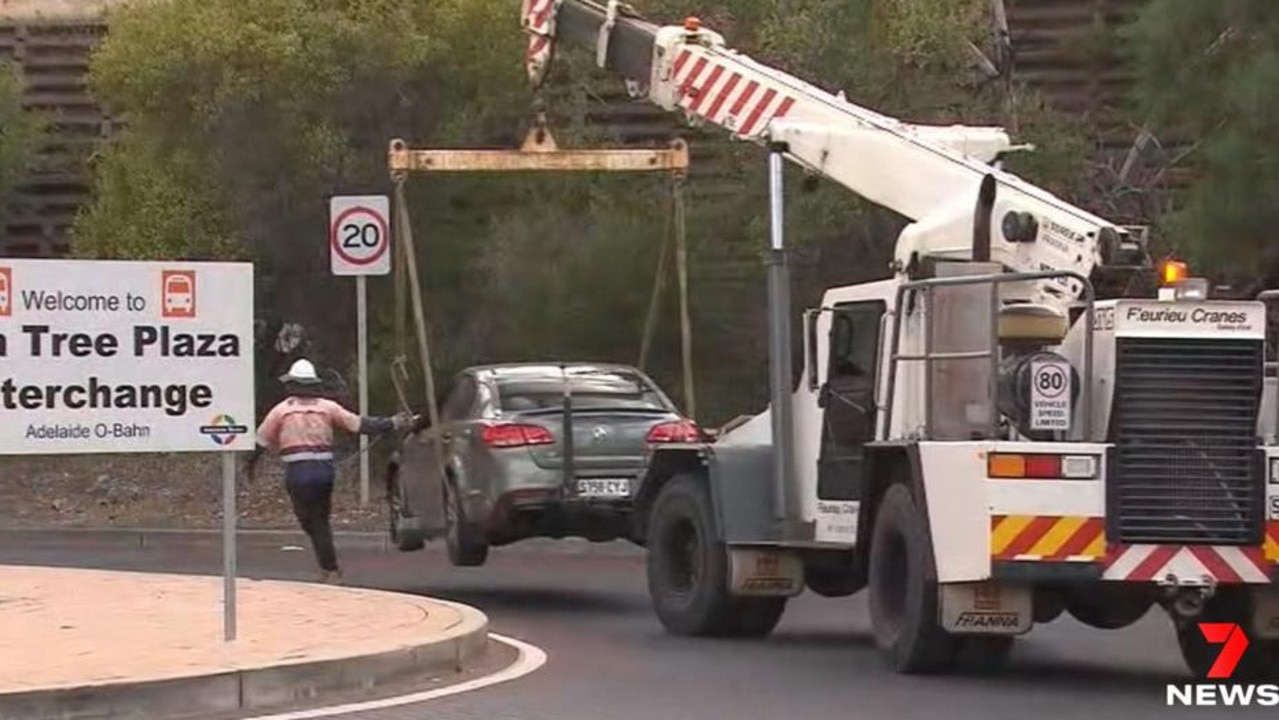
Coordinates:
<point>982,654</point>
<point>903,601</point>
<point>688,569</point>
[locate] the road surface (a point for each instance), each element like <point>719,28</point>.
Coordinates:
<point>609,659</point>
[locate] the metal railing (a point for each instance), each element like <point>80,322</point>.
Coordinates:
<point>928,357</point>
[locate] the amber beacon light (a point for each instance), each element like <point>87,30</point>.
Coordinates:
<point>1172,272</point>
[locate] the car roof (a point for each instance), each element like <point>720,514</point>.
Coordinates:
<point>533,370</point>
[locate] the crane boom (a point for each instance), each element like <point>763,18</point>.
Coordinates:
<point>932,175</point>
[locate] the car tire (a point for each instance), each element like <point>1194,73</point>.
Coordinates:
<point>466,544</point>
<point>903,601</point>
<point>687,570</point>
<point>404,538</point>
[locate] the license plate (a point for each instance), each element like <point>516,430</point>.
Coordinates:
<point>604,487</point>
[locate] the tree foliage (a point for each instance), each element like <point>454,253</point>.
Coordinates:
<point>238,134</point>
<point>1208,77</point>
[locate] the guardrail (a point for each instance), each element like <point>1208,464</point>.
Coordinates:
<point>927,288</point>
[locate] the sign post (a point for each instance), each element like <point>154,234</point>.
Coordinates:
<point>360,245</point>
<point>111,357</point>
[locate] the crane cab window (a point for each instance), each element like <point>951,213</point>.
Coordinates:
<point>848,398</point>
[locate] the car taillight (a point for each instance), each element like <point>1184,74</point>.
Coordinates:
<point>680,431</point>
<point>508,435</point>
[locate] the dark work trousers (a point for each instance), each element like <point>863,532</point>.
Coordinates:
<point>310,486</point>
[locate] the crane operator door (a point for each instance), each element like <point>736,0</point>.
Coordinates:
<point>847,398</point>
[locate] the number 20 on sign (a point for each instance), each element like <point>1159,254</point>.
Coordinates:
<point>359,235</point>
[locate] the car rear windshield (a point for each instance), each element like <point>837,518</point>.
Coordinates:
<point>596,391</point>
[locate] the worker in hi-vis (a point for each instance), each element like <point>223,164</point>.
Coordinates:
<point>300,429</point>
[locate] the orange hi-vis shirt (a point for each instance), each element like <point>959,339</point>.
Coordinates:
<point>301,428</point>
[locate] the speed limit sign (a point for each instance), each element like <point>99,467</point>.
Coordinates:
<point>1050,394</point>
<point>359,235</point>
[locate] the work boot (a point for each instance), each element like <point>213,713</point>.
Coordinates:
<point>331,577</point>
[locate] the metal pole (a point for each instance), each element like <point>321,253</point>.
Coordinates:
<point>779,348</point>
<point>362,343</point>
<point>228,546</point>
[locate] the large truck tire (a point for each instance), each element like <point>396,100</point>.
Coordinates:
<point>688,570</point>
<point>903,601</point>
<point>467,546</point>
<point>834,576</point>
<point>754,617</point>
<point>982,654</point>
<point>1260,661</point>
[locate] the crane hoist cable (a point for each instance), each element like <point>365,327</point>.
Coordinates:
<point>539,152</point>
<point>675,237</point>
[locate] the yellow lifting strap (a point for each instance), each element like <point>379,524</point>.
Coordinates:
<point>539,152</point>
<point>408,265</point>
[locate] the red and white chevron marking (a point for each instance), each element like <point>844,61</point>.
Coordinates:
<point>721,95</point>
<point>1224,564</point>
<point>538,15</point>
<point>538,19</point>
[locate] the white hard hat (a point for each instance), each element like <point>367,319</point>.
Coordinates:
<point>302,371</point>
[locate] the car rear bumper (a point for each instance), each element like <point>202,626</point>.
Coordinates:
<point>553,511</point>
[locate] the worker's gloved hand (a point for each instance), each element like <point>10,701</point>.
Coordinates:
<point>419,423</point>
<point>402,421</point>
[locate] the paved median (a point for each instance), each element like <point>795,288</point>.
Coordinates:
<point>80,644</point>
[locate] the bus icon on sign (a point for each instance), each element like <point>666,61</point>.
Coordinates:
<point>6,292</point>
<point>177,294</point>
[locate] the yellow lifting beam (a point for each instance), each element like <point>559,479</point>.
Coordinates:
<point>538,153</point>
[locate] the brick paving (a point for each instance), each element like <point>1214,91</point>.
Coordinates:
<point>65,628</point>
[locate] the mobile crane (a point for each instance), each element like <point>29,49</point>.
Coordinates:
<point>977,440</point>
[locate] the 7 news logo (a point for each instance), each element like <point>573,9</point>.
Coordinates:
<point>1234,643</point>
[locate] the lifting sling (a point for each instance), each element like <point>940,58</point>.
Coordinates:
<point>538,153</point>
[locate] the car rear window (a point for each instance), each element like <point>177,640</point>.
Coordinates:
<point>594,391</point>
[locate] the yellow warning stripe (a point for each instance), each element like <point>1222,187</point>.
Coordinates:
<point>1007,530</point>
<point>1046,537</point>
<point>1272,541</point>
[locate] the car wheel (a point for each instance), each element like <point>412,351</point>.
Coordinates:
<point>397,513</point>
<point>466,544</point>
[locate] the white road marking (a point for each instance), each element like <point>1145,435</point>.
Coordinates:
<point>530,658</point>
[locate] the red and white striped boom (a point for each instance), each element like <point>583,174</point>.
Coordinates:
<point>929,174</point>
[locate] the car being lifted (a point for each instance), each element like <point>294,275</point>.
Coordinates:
<point>530,450</point>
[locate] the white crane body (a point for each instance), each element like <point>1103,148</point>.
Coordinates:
<point>1034,449</point>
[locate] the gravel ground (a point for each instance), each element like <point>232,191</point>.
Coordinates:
<point>164,491</point>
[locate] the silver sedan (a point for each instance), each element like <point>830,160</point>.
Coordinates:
<point>530,450</point>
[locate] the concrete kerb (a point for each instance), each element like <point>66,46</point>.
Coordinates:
<point>159,537</point>
<point>380,542</point>
<point>262,688</point>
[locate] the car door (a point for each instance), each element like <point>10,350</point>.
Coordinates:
<point>420,462</point>
<point>457,425</point>
<point>848,398</point>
